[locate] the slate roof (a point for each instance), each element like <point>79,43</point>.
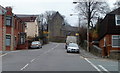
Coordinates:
<point>116,11</point>
<point>27,18</point>
<point>69,28</point>
<point>53,15</point>
<point>108,25</point>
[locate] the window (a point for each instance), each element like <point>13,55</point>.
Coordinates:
<point>15,41</point>
<point>22,39</point>
<point>117,19</point>
<point>8,21</point>
<point>115,40</point>
<point>8,40</point>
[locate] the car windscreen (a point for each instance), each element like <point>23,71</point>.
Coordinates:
<point>35,42</point>
<point>73,45</point>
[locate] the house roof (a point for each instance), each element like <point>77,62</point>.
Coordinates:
<point>2,10</point>
<point>57,13</point>
<point>116,11</point>
<point>107,25</point>
<point>69,28</point>
<point>27,18</point>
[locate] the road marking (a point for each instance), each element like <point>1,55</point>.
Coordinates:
<point>35,58</point>
<point>9,52</point>
<point>24,67</point>
<point>32,60</point>
<point>93,65</point>
<point>3,54</point>
<point>103,68</point>
<point>51,49</point>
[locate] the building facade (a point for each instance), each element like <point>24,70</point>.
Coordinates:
<point>31,25</point>
<point>109,33</point>
<point>55,27</point>
<point>12,30</point>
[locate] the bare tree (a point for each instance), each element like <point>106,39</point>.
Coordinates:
<point>49,14</point>
<point>92,10</point>
<point>117,4</point>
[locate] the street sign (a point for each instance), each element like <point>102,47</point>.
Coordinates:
<point>77,34</point>
<point>45,32</point>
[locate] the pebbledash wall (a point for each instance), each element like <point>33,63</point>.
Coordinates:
<point>13,34</point>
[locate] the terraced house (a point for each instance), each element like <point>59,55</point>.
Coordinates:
<point>12,30</point>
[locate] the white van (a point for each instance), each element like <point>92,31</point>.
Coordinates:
<point>70,39</point>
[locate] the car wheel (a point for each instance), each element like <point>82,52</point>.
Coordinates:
<point>39,47</point>
<point>67,51</point>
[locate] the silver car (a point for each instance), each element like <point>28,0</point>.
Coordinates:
<point>73,47</point>
<point>36,44</point>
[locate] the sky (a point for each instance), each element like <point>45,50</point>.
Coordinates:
<point>65,7</point>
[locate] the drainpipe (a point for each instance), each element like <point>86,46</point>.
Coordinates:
<point>12,34</point>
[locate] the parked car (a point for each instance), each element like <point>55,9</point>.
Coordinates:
<point>73,47</point>
<point>70,39</point>
<point>36,44</point>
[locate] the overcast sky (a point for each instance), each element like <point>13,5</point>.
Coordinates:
<point>65,7</point>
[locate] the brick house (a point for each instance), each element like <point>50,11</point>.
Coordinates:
<point>2,11</point>
<point>12,30</point>
<point>109,33</point>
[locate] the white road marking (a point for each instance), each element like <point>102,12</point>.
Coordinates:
<point>24,67</point>
<point>3,54</point>
<point>9,52</point>
<point>103,68</point>
<point>42,54</point>
<point>32,60</point>
<point>51,49</point>
<point>93,65</point>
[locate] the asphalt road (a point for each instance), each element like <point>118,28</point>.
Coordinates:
<point>53,57</point>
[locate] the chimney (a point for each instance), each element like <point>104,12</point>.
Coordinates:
<point>9,8</point>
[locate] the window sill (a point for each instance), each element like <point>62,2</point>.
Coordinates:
<point>8,25</point>
<point>115,46</point>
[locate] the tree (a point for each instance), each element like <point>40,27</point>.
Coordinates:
<point>91,10</point>
<point>48,15</point>
<point>117,4</point>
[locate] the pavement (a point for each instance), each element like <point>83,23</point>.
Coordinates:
<point>86,54</point>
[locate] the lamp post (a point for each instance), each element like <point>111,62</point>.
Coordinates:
<point>87,26</point>
<point>78,26</point>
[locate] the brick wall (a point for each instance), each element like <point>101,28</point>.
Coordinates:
<point>106,50</point>
<point>1,33</point>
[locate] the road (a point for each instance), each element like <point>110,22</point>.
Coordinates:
<point>53,57</point>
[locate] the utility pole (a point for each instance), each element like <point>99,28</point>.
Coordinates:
<point>88,18</point>
<point>89,14</point>
<point>78,26</point>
